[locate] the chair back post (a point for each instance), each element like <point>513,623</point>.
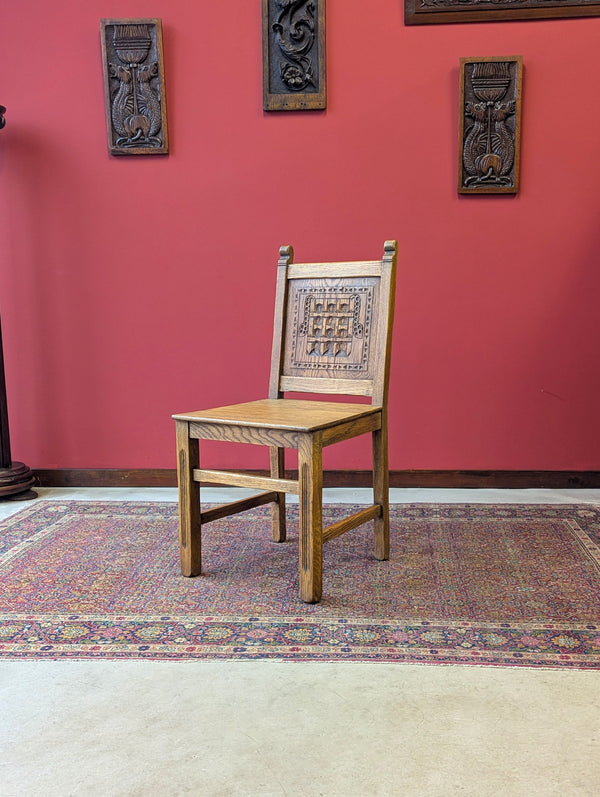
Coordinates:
<point>389,266</point>
<point>286,257</point>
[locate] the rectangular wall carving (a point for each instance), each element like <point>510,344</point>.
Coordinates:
<point>134,86</point>
<point>489,136</point>
<point>429,12</point>
<point>293,55</point>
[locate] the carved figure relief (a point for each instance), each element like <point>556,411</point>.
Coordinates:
<point>293,54</point>
<point>490,125</point>
<point>331,328</point>
<point>134,86</point>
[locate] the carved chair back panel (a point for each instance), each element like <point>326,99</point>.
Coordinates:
<point>331,329</point>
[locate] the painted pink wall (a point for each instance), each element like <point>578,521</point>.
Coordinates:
<point>128,284</point>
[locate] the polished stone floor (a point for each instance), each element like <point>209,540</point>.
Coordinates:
<point>154,729</point>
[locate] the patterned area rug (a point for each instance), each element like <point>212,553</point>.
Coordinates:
<point>478,584</point>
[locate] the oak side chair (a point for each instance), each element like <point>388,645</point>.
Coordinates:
<point>332,336</point>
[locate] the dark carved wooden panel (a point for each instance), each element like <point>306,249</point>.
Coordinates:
<point>427,12</point>
<point>490,125</point>
<point>330,328</point>
<point>134,86</point>
<point>293,55</point>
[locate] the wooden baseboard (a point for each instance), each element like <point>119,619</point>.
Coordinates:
<point>476,479</point>
<point>106,477</point>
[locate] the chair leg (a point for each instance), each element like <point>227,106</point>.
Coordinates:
<point>278,509</point>
<point>381,493</point>
<point>189,501</point>
<point>310,472</point>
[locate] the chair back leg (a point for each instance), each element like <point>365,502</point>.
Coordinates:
<point>277,456</point>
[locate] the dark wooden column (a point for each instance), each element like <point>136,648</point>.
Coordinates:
<point>16,479</point>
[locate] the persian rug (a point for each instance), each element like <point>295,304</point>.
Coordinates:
<point>513,585</point>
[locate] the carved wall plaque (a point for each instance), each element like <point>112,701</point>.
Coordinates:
<point>134,86</point>
<point>293,55</point>
<point>427,12</point>
<point>489,125</point>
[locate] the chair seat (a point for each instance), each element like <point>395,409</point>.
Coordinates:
<point>285,414</point>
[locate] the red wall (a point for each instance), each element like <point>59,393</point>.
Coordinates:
<point>128,285</point>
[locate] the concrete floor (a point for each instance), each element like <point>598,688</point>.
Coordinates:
<point>267,728</point>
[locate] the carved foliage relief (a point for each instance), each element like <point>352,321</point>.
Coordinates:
<point>293,54</point>
<point>331,329</point>
<point>136,115</point>
<point>490,125</point>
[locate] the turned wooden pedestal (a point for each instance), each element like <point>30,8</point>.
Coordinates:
<point>16,479</point>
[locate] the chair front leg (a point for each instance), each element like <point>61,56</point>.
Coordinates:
<point>310,475</point>
<point>190,530</point>
<point>277,456</point>
<point>381,493</point>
